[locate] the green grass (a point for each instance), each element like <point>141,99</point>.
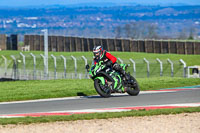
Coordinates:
<point>40,89</point>
<point>29,90</point>
<point>133,113</point>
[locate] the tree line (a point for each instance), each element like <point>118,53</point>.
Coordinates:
<point>148,30</point>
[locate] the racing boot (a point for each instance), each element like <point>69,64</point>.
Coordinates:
<point>125,75</point>
<point>118,68</point>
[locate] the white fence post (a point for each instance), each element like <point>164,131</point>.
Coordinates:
<point>55,73</point>
<point>45,74</point>
<point>75,65</point>
<point>121,61</point>
<point>172,67</point>
<point>148,68</point>
<point>15,66</point>
<point>184,68</point>
<point>5,62</point>
<point>134,68</point>
<point>161,66</point>
<point>34,66</point>
<point>65,66</point>
<point>86,74</point>
<point>24,63</point>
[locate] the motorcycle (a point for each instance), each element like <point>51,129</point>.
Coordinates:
<point>107,80</point>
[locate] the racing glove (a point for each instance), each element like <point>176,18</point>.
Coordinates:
<point>109,63</point>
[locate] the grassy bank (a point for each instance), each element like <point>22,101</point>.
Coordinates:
<point>40,89</point>
<point>133,113</point>
<point>189,59</point>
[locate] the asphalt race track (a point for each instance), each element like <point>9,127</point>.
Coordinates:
<point>165,97</point>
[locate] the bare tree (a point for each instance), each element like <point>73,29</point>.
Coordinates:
<point>134,30</point>
<point>141,30</point>
<point>128,31</point>
<point>152,31</point>
<point>192,33</point>
<point>118,32</point>
<point>183,34</point>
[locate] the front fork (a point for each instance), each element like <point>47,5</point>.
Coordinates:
<point>106,84</point>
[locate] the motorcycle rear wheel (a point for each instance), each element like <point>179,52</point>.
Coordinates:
<point>99,87</point>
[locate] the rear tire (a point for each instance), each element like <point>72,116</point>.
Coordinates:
<point>106,92</point>
<point>135,89</point>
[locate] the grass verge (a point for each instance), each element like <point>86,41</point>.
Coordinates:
<point>40,89</point>
<point>133,113</point>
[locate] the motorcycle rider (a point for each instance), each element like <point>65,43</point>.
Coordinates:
<point>108,59</point>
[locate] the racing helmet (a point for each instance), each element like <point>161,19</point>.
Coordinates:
<point>97,51</point>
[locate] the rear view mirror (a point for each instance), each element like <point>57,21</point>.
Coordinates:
<point>87,67</point>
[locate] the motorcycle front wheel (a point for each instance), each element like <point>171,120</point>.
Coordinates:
<point>134,90</point>
<point>102,90</point>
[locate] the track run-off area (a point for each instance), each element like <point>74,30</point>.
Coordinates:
<point>180,97</point>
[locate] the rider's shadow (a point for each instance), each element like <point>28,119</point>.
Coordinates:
<point>82,95</point>
<point>96,96</point>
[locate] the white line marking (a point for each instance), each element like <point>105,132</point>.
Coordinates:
<point>85,97</point>
<point>42,100</point>
<point>113,109</point>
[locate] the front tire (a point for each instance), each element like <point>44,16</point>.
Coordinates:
<point>134,90</point>
<point>101,89</point>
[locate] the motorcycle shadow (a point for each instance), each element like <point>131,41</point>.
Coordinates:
<point>114,95</point>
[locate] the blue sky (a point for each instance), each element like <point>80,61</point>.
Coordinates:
<point>14,3</point>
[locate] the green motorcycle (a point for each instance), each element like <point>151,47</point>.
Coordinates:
<point>107,80</point>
